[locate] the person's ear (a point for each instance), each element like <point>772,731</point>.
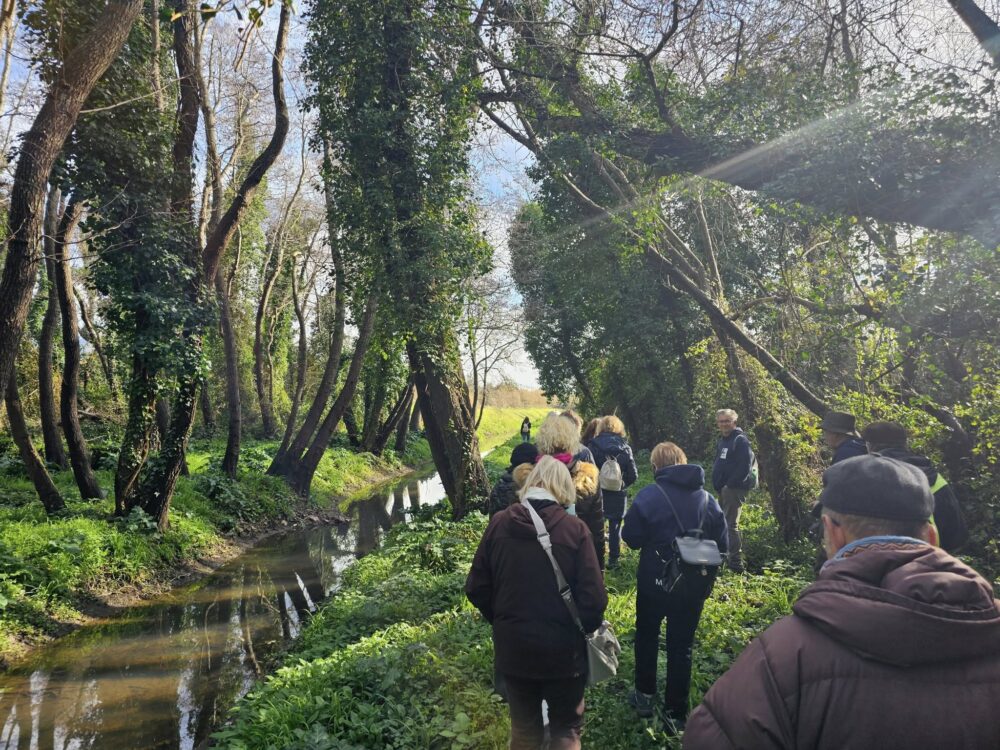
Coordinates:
<point>834,537</point>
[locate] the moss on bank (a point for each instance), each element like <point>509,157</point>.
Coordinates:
<point>54,569</point>
<point>399,659</point>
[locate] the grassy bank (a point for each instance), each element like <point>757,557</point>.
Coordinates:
<point>53,570</point>
<point>399,659</point>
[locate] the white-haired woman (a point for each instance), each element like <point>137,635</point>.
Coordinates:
<point>559,437</point>
<point>538,647</point>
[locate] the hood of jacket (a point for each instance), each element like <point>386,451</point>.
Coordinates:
<point>914,459</point>
<point>685,476</point>
<point>905,606</point>
<point>608,443</point>
<point>519,518</point>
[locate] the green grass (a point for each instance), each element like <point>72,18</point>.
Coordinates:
<point>50,567</point>
<point>399,659</point>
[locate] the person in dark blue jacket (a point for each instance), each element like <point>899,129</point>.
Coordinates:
<point>731,478</point>
<point>840,433</point>
<point>650,526</point>
<point>610,443</point>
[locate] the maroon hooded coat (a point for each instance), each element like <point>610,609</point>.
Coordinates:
<point>512,583</point>
<point>890,648</point>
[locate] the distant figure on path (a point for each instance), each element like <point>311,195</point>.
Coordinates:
<point>895,646</point>
<point>538,648</point>
<point>610,444</point>
<point>889,439</point>
<point>525,430</point>
<point>731,477</point>
<point>840,434</point>
<point>651,526</point>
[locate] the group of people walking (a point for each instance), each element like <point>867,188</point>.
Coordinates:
<point>894,632</point>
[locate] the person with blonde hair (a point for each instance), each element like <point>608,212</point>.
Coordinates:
<point>559,436</point>
<point>582,452</point>
<point>537,646</point>
<point>610,445</point>
<point>675,503</point>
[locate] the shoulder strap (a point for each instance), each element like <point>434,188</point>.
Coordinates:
<point>701,510</point>
<point>564,590</point>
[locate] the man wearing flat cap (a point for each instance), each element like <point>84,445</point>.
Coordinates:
<point>896,645</point>
<point>840,433</point>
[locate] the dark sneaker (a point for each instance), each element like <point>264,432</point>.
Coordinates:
<point>673,724</point>
<point>642,703</point>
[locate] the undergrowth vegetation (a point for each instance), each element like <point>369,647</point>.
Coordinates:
<point>399,659</point>
<point>53,567</point>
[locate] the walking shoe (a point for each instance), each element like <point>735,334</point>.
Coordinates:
<point>673,724</point>
<point>642,703</point>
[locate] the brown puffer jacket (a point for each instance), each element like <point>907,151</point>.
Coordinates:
<point>512,583</point>
<point>890,648</point>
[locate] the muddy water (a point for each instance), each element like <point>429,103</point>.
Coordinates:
<point>164,674</point>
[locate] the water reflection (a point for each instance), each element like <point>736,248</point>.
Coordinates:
<point>164,674</point>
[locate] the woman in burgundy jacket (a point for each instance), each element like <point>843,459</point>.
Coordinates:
<point>538,647</point>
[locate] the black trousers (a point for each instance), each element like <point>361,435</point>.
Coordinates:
<point>565,703</point>
<point>614,538</point>
<point>682,612</point>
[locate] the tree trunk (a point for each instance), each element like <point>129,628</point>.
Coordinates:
<point>288,455</point>
<point>397,415</point>
<point>415,416</point>
<point>40,147</point>
<point>46,490</point>
<point>272,269</point>
<point>54,452</point>
<point>774,459</point>
<point>448,421</point>
<point>79,456</point>
<point>301,476</point>
<point>984,28</point>
<point>351,425</point>
<point>403,428</point>
<point>207,409</point>
<point>95,341</point>
<point>231,460</point>
<point>301,363</point>
<point>136,441</point>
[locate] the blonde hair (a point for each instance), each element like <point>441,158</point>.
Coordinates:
<point>557,435</point>
<point>521,473</point>
<point>611,423</point>
<point>553,476</point>
<point>574,417</point>
<point>667,454</point>
<point>727,413</point>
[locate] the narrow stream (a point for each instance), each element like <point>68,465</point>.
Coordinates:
<point>164,674</point>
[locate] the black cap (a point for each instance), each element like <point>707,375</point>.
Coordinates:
<point>877,486</point>
<point>524,453</point>
<point>840,422</point>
